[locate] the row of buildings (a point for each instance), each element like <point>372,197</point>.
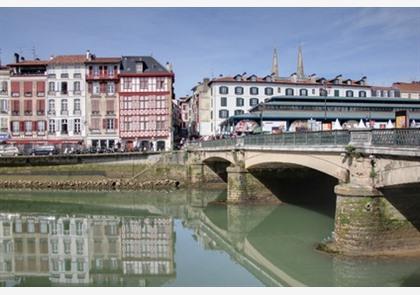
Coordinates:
<point>86,250</point>
<point>87,100</point>
<point>240,103</point>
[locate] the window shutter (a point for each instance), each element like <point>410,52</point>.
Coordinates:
<point>115,124</point>
<point>42,105</point>
<point>40,87</point>
<point>22,126</point>
<point>27,86</point>
<point>104,123</point>
<point>34,126</point>
<point>15,87</point>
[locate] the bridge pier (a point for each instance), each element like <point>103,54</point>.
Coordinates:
<point>366,223</point>
<point>195,173</point>
<point>243,187</point>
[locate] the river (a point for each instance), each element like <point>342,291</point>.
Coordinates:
<point>175,238</point>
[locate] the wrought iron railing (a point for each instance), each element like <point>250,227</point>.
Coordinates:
<point>375,137</point>
<point>396,137</point>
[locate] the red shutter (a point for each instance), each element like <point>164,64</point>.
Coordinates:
<point>110,106</point>
<point>42,106</point>
<point>103,88</point>
<point>15,106</point>
<point>104,123</point>
<point>116,124</point>
<point>28,106</point>
<point>15,88</point>
<point>40,87</point>
<point>27,87</point>
<point>22,126</point>
<point>34,126</point>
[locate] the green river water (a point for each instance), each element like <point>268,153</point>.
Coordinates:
<point>175,238</point>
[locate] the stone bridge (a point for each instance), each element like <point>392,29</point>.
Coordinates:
<point>371,168</point>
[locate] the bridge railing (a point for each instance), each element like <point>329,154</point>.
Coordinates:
<point>409,137</point>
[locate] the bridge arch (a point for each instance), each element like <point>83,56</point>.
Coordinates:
<point>328,164</point>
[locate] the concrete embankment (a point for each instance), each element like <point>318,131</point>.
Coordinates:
<point>130,172</point>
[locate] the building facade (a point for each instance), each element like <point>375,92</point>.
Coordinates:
<point>4,101</point>
<point>408,90</point>
<point>202,104</point>
<point>66,100</point>
<point>145,104</point>
<point>28,125</point>
<point>102,101</point>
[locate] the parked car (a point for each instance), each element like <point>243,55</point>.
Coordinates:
<point>44,150</point>
<point>8,151</point>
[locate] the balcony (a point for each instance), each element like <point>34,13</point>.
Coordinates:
<point>65,132</point>
<point>101,75</point>
<point>40,133</point>
<point>28,133</point>
<point>77,92</point>
<point>15,94</point>
<point>15,133</point>
<point>40,113</point>
<point>51,92</point>
<point>28,94</point>
<point>15,113</point>
<point>50,112</point>
<point>95,113</point>
<point>64,92</point>
<point>64,112</point>
<point>77,112</point>
<point>95,131</point>
<point>110,112</point>
<point>28,113</point>
<point>40,94</point>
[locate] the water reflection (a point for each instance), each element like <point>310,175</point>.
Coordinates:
<point>128,239</point>
<point>82,250</point>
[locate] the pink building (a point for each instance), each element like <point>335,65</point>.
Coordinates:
<point>145,96</point>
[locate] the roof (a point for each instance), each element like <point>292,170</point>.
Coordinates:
<point>284,80</point>
<point>150,65</point>
<point>408,87</point>
<point>29,63</point>
<point>68,59</point>
<point>104,60</point>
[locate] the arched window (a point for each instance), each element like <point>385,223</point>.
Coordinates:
<point>349,93</point>
<point>268,91</point>
<point>253,101</point>
<point>323,92</point>
<point>239,90</point>
<point>253,90</point>
<point>303,92</point>
<point>289,91</point>
<point>238,112</point>
<point>239,102</point>
<point>362,93</point>
<point>223,90</point>
<point>223,114</point>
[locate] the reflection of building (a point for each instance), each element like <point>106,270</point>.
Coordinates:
<point>147,246</point>
<point>98,250</point>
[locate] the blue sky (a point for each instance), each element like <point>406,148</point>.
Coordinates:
<point>381,43</point>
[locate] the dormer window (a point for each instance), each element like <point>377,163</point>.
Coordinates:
<point>349,93</point>
<point>348,82</point>
<point>253,78</point>
<point>362,93</point>
<point>238,77</point>
<point>139,67</point>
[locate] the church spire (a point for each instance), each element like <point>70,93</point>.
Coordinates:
<point>300,72</point>
<point>275,65</point>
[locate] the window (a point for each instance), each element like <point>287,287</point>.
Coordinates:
<point>160,83</point>
<point>76,129</point>
<point>76,105</point>
<point>110,88</point>
<point>143,123</point>
<point>223,101</point>
<point>15,126</point>
<point>362,93</point>
<point>289,91</point>
<point>349,93</point>
<point>303,92</point>
<point>76,87</point>
<point>51,126</point>
<point>77,75</point>
<point>253,101</point>
<point>238,112</point>
<point>160,102</point>
<point>54,246</point>
<point>67,246</point>
<point>64,126</point>
<point>239,102</point>
<point>223,114</point>
<point>64,106</point>
<point>28,126</point>
<point>96,88</point>
<point>51,106</point>
<point>313,91</point>
<point>253,90</point>
<point>64,88</point>
<point>391,93</point>
<point>79,247</point>
<point>268,91</point>
<point>64,75</point>
<point>223,90</point>
<point>51,87</point>
<point>27,88</point>
<point>336,93</point>
<point>160,123</point>
<point>143,102</point>
<point>110,124</point>
<point>323,92</point>
<point>41,126</point>
<point>3,87</point>
<point>110,71</point>
<point>239,90</point>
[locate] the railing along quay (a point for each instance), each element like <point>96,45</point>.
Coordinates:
<point>409,137</point>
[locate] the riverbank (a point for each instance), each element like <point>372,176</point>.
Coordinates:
<point>98,176</point>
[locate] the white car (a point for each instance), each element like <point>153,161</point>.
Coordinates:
<point>8,151</point>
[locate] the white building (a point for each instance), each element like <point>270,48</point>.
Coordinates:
<point>66,99</point>
<point>238,94</point>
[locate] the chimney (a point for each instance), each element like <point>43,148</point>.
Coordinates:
<point>51,57</point>
<point>22,58</point>
<point>88,55</point>
<point>16,58</point>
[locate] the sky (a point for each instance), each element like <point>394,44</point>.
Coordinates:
<point>380,43</point>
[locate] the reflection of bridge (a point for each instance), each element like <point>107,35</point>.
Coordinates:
<point>368,165</point>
